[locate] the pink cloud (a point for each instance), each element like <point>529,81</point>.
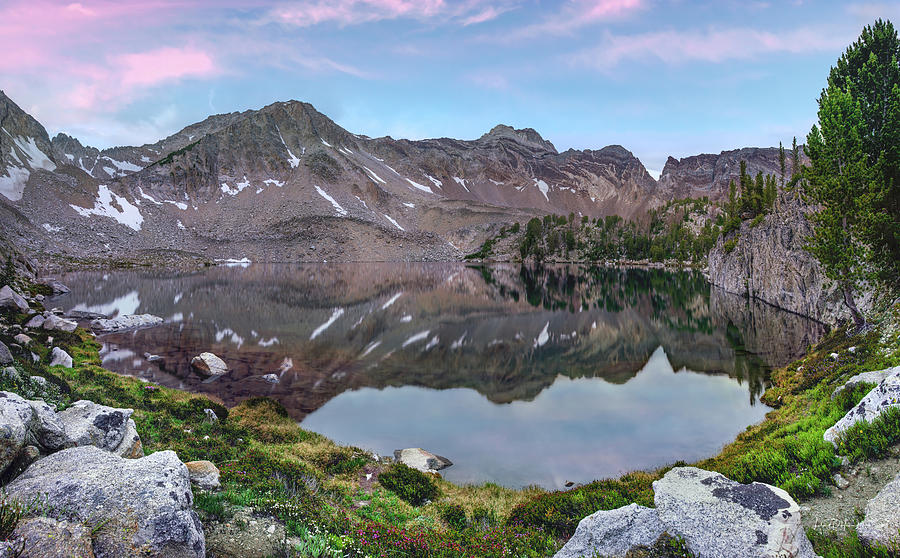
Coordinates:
<point>161,65</point>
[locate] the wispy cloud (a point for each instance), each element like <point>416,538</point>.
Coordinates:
<point>713,45</point>
<point>575,15</point>
<point>306,13</point>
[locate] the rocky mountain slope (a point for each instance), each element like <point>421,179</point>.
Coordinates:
<point>286,183</point>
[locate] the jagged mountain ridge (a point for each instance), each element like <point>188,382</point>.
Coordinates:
<point>285,182</point>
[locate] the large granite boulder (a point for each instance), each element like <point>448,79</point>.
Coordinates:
<point>720,518</point>
<point>87,423</point>
<point>882,522</point>
<point>44,537</point>
<point>47,429</point>
<point>208,364</point>
<point>614,532</point>
<point>424,461</point>
<point>886,395</point>
<point>11,301</point>
<point>135,507</point>
<point>122,323</point>
<point>17,418</point>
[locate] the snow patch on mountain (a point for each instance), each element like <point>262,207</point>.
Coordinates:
<point>123,212</point>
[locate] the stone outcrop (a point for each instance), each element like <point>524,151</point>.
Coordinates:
<point>122,323</point>
<point>882,522</point>
<point>882,397</point>
<point>208,364</point>
<point>135,506</point>
<point>768,262</point>
<point>11,301</point>
<point>424,461</point>
<point>872,377</point>
<point>613,532</point>
<point>87,423</point>
<point>45,537</point>
<point>715,516</point>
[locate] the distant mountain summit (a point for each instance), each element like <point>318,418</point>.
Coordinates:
<point>286,183</point>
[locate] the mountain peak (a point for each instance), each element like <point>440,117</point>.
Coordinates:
<point>524,136</point>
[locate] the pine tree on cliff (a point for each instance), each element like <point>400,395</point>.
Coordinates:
<point>854,172</point>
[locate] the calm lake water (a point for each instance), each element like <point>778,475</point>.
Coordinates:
<point>519,375</point>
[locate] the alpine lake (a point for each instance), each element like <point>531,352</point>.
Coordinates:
<point>519,375</point>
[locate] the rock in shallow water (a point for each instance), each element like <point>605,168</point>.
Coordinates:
<point>138,506</point>
<point>424,461</point>
<point>613,532</point>
<point>208,364</point>
<point>122,323</point>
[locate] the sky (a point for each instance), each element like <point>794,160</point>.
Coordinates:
<point>660,77</point>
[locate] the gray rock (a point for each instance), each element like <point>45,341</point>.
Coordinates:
<point>22,339</point>
<point>613,533</point>
<point>204,474</point>
<point>47,428</point>
<point>17,418</point>
<point>131,446</point>
<point>54,322</point>
<point>424,461</point>
<point>11,301</point>
<point>719,518</point>
<point>5,356</point>
<point>87,423</point>
<point>55,286</point>
<point>10,373</point>
<point>270,378</point>
<point>882,522</point>
<point>60,358</point>
<point>208,364</point>
<point>840,481</point>
<point>137,506</point>
<point>44,537</point>
<point>85,315</point>
<point>873,377</point>
<point>122,323</point>
<point>211,416</point>
<point>886,395</point>
<point>35,322</point>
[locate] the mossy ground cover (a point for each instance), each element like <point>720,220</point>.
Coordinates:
<point>323,492</point>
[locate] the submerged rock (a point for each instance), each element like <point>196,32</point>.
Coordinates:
<point>883,397</point>
<point>135,506</point>
<point>882,521</point>
<point>718,517</point>
<point>209,364</point>
<point>122,323</point>
<point>613,533</point>
<point>424,461</point>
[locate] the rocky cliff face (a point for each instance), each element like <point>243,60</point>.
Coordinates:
<point>709,175</point>
<point>24,149</point>
<point>768,263</point>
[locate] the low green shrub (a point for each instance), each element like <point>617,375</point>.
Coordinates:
<point>454,516</point>
<point>411,485</point>
<point>728,245</point>
<point>832,545</point>
<point>871,440</point>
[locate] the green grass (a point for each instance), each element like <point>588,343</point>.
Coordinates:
<point>872,440</point>
<point>409,484</point>
<point>833,545</point>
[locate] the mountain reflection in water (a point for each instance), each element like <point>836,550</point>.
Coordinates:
<point>570,372</point>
